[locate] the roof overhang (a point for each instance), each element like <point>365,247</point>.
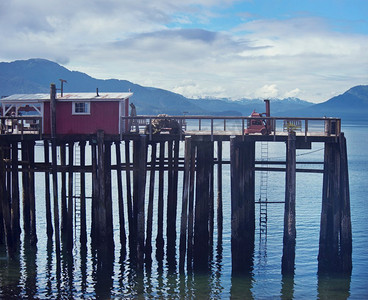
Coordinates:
<point>39,98</point>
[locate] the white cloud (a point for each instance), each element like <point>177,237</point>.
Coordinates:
<point>292,94</point>
<point>267,91</point>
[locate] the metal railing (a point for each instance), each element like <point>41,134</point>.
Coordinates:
<point>213,125</point>
<point>21,125</point>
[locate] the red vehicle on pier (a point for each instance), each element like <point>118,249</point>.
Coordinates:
<point>256,123</point>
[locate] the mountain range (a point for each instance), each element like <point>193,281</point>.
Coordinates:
<point>35,76</point>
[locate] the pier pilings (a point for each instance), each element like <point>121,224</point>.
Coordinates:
<point>166,199</point>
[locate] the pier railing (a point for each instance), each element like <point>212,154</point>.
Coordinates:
<point>221,125</point>
<point>20,125</point>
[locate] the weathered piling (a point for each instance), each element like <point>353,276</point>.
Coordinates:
<point>185,200</point>
<point>95,193</point>
<point>83,220</point>
<point>63,200</point>
<point>15,209</point>
<point>26,191</point>
<point>120,195</point>
<point>192,176</point>
<point>170,225</point>
<point>148,246</point>
<point>328,244</point>
<point>5,207</point>
<point>219,191</point>
<point>103,209</point>
<point>129,190</point>
<point>335,229</point>
<point>160,205</point>
<point>242,157</point>
<point>70,197</point>
<point>54,169</point>
<point>201,247</point>
<point>108,196</point>
<point>346,234</point>
<point>172,199</point>
<point>49,229</point>
<point>32,194</point>
<point>289,237</point>
<point>139,185</point>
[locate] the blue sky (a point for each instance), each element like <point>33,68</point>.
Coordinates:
<point>342,15</point>
<point>199,48</point>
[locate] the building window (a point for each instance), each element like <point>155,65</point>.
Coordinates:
<point>81,108</point>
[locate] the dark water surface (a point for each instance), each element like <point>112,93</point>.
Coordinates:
<point>38,274</point>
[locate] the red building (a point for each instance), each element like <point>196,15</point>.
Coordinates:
<point>76,113</point>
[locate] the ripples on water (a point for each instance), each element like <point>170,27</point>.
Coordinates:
<point>38,274</point>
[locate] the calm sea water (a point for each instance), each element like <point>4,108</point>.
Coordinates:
<point>35,274</point>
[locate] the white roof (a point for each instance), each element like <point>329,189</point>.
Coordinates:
<point>67,97</point>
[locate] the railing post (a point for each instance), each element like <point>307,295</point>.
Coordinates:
<point>211,130</point>
<point>22,123</point>
<point>243,129</point>
<point>150,128</point>
<point>306,129</point>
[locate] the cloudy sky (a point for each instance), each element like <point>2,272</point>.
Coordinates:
<point>311,49</point>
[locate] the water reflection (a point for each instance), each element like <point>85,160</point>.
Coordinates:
<point>30,270</point>
<point>287,287</point>
<point>241,286</point>
<point>91,272</point>
<point>10,274</point>
<point>103,271</point>
<point>334,286</point>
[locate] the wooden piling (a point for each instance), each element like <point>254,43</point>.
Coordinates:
<point>108,197</point>
<point>160,205</point>
<point>148,249</point>
<point>289,238</point>
<point>172,198</point>
<point>211,204</point>
<point>26,192</point>
<point>54,170</point>
<point>64,206</point>
<point>120,196</point>
<point>184,209</point>
<point>101,208</point>
<point>170,222</point>
<point>139,184</point>
<point>328,259</point>
<point>95,194</point>
<point>15,210</point>
<point>70,197</point>
<point>128,189</point>
<point>219,191</point>
<point>192,176</point>
<point>83,221</point>
<point>32,194</point>
<point>242,156</point>
<point>346,234</point>
<point>5,207</point>
<point>202,205</point>
<point>49,229</point>
<point>335,246</point>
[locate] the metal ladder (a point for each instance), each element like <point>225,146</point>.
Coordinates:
<point>77,193</point>
<point>263,186</point>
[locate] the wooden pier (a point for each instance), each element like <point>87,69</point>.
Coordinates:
<point>148,168</point>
